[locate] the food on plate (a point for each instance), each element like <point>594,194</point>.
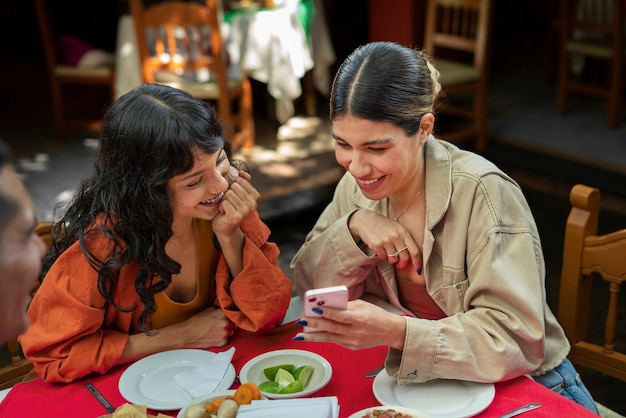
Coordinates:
<point>286,378</point>
<point>270,372</point>
<point>228,409</point>
<point>226,406</point>
<point>386,413</point>
<point>246,393</point>
<point>128,410</point>
<point>196,410</point>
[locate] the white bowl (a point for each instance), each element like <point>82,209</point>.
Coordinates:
<point>252,371</point>
<point>413,413</point>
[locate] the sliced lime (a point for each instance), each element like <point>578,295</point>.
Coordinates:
<point>270,372</point>
<point>269,387</point>
<point>283,378</point>
<point>303,373</point>
<point>293,387</point>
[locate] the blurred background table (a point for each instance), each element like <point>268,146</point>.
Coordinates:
<point>276,46</point>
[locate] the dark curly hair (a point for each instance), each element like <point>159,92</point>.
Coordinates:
<point>148,136</point>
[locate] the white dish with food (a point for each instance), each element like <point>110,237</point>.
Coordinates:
<point>203,400</point>
<point>402,411</point>
<point>252,371</point>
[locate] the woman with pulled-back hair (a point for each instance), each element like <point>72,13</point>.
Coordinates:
<point>161,247</point>
<point>437,246</point>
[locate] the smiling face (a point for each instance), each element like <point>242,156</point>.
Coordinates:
<point>379,155</point>
<point>21,252</point>
<point>199,192</point>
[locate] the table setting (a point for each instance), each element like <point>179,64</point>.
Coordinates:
<point>338,386</point>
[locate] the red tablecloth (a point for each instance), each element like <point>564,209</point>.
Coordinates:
<point>39,399</point>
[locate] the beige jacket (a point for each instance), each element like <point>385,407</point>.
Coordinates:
<point>483,265</point>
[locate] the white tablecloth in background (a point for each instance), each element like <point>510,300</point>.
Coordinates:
<point>269,45</point>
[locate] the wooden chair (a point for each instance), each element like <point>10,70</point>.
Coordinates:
<point>457,37</point>
<point>180,44</point>
<point>588,258</point>
<point>19,367</point>
<point>592,31</point>
<point>67,108</point>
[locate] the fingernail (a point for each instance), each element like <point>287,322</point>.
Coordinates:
<point>419,271</point>
<point>317,310</point>
<point>302,323</point>
<point>298,338</point>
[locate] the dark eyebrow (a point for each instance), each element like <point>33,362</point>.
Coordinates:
<point>380,141</point>
<point>197,173</point>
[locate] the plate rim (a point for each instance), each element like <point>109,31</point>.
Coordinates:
<point>489,388</point>
<point>243,373</point>
<point>123,382</point>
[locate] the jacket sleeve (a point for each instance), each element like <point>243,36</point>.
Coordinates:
<point>258,297</point>
<point>329,255</point>
<point>68,338</point>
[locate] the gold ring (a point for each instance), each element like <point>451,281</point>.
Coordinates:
<point>398,252</point>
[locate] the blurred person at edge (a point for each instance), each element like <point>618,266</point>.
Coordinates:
<point>438,246</point>
<point>21,249</point>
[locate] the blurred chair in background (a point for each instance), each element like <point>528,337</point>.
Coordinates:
<point>68,110</point>
<point>457,37</point>
<point>590,259</point>
<point>592,38</point>
<point>180,44</point>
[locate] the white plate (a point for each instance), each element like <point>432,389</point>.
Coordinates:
<point>252,371</point>
<point>149,381</point>
<point>440,398</point>
<point>414,413</point>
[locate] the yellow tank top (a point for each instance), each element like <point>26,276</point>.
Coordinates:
<point>170,312</point>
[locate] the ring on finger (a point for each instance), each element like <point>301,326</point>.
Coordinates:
<point>398,252</point>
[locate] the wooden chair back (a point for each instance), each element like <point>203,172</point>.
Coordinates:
<point>457,37</point>
<point>594,33</point>
<point>181,45</point>
<point>18,366</point>
<point>588,258</point>
<point>68,107</point>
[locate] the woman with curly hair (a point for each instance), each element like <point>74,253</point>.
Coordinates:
<point>161,247</point>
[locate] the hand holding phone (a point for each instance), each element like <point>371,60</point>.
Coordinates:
<point>333,297</point>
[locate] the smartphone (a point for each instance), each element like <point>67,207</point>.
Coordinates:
<point>333,297</point>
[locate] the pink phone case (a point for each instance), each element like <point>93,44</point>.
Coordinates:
<point>333,297</point>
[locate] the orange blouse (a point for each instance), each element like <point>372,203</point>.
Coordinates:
<point>75,332</point>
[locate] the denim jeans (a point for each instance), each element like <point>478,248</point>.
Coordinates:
<point>565,381</point>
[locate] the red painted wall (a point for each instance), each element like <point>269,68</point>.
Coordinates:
<point>397,20</point>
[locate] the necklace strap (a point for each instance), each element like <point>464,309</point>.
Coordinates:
<point>409,206</point>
